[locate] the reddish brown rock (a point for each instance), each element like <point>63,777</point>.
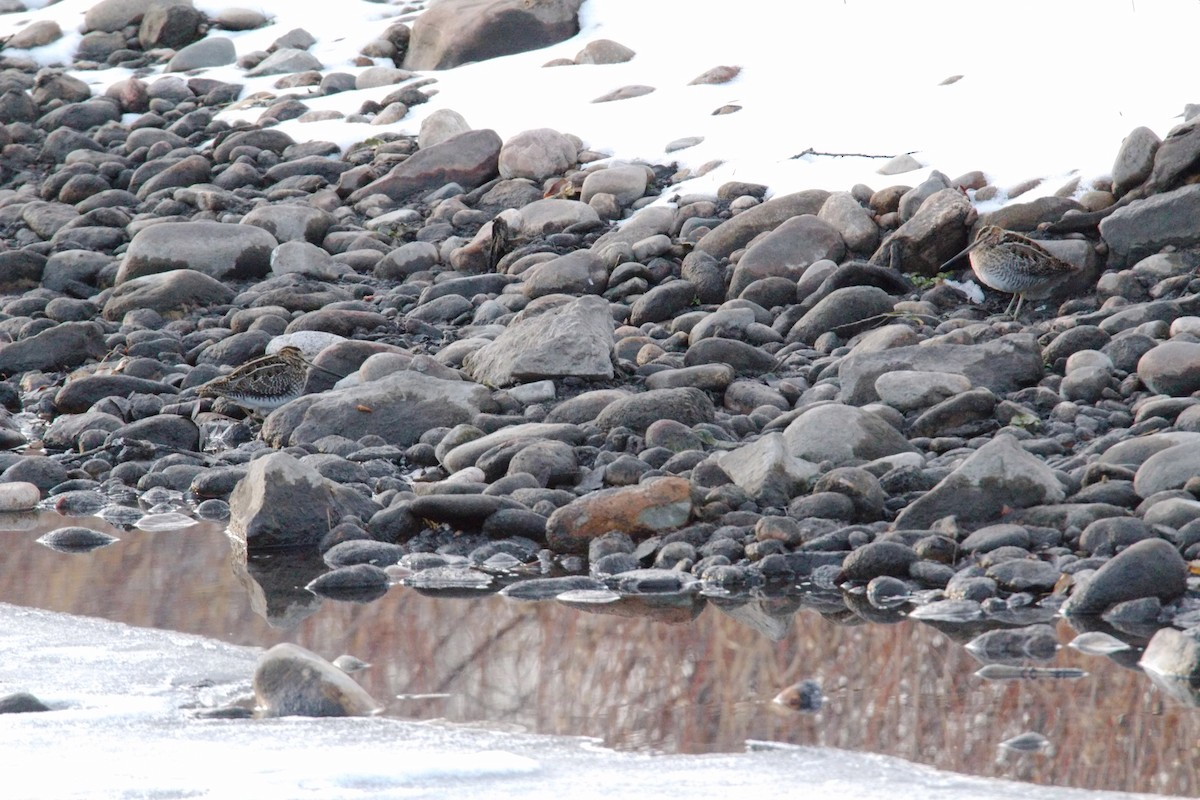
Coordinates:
<point>659,504</point>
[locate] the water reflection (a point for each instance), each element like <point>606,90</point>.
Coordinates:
<point>702,682</point>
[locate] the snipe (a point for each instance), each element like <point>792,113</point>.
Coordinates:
<point>1010,262</point>
<point>265,383</point>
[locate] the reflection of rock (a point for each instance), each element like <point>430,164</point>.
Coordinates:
<point>1127,658</point>
<point>756,616</point>
<point>673,607</point>
<point>75,539</point>
<point>1185,691</point>
<point>862,606</point>
<point>350,664</point>
<point>547,588</point>
<point>11,521</point>
<point>292,681</point>
<point>1014,645</point>
<point>274,583</point>
<point>803,696</point>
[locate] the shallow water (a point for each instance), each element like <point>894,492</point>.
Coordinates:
<point>704,685</point>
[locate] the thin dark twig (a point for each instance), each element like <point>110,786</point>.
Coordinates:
<point>811,152</point>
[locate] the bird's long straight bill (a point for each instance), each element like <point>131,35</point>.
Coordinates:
<point>968,249</point>
<point>322,369</point>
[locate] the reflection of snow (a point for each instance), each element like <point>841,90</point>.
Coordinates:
<point>122,721</point>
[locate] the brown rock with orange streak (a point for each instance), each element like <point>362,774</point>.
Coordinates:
<point>658,505</point>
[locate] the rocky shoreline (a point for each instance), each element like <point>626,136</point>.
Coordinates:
<point>558,382</point>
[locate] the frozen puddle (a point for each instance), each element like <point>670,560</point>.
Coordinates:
<point>122,727</point>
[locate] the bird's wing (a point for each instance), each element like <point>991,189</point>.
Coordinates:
<point>1036,251</point>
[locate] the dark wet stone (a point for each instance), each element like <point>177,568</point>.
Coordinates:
<point>1023,575</point>
<point>1149,568</point>
<point>80,502</point>
<point>169,293</point>
<point>845,311</point>
<point>359,583</point>
<point>75,539</point>
<point>994,537</point>
<point>725,578</point>
<point>574,339</point>
<point>65,345</point>
<point>399,408</point>
<point>663,302</point>
<point>745,358</point>
<point>875,559</point>
<point>860,486</point>
<point>787,251</point>
<point>394,524</point>
<point>936,547</point>
<point>20,270</point>
<point>935,234</point>
<point>842,433</point>
<point>885,591</point>
<point>931,574</point>
<point>461,511</point>
<point>459,32</point>
<point>1002,365</point>
<point>1105,537</point>
<point>1143,611</point>
<point>608,544</point>
<point>167,429</point>
<point>469,159</point>
<point>44,473</point>
<point>613,564</point>
<point>966,414</point>
<point>336,468</point>
<point>292,681</point>
<point>79,395</point>
<point>21,703</point>
<point>737,231</point>
<point>363,551</point>
<point>637,412</point>
<point>1037,642</point>
<point>976,588</point>
<point>997,476</point>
